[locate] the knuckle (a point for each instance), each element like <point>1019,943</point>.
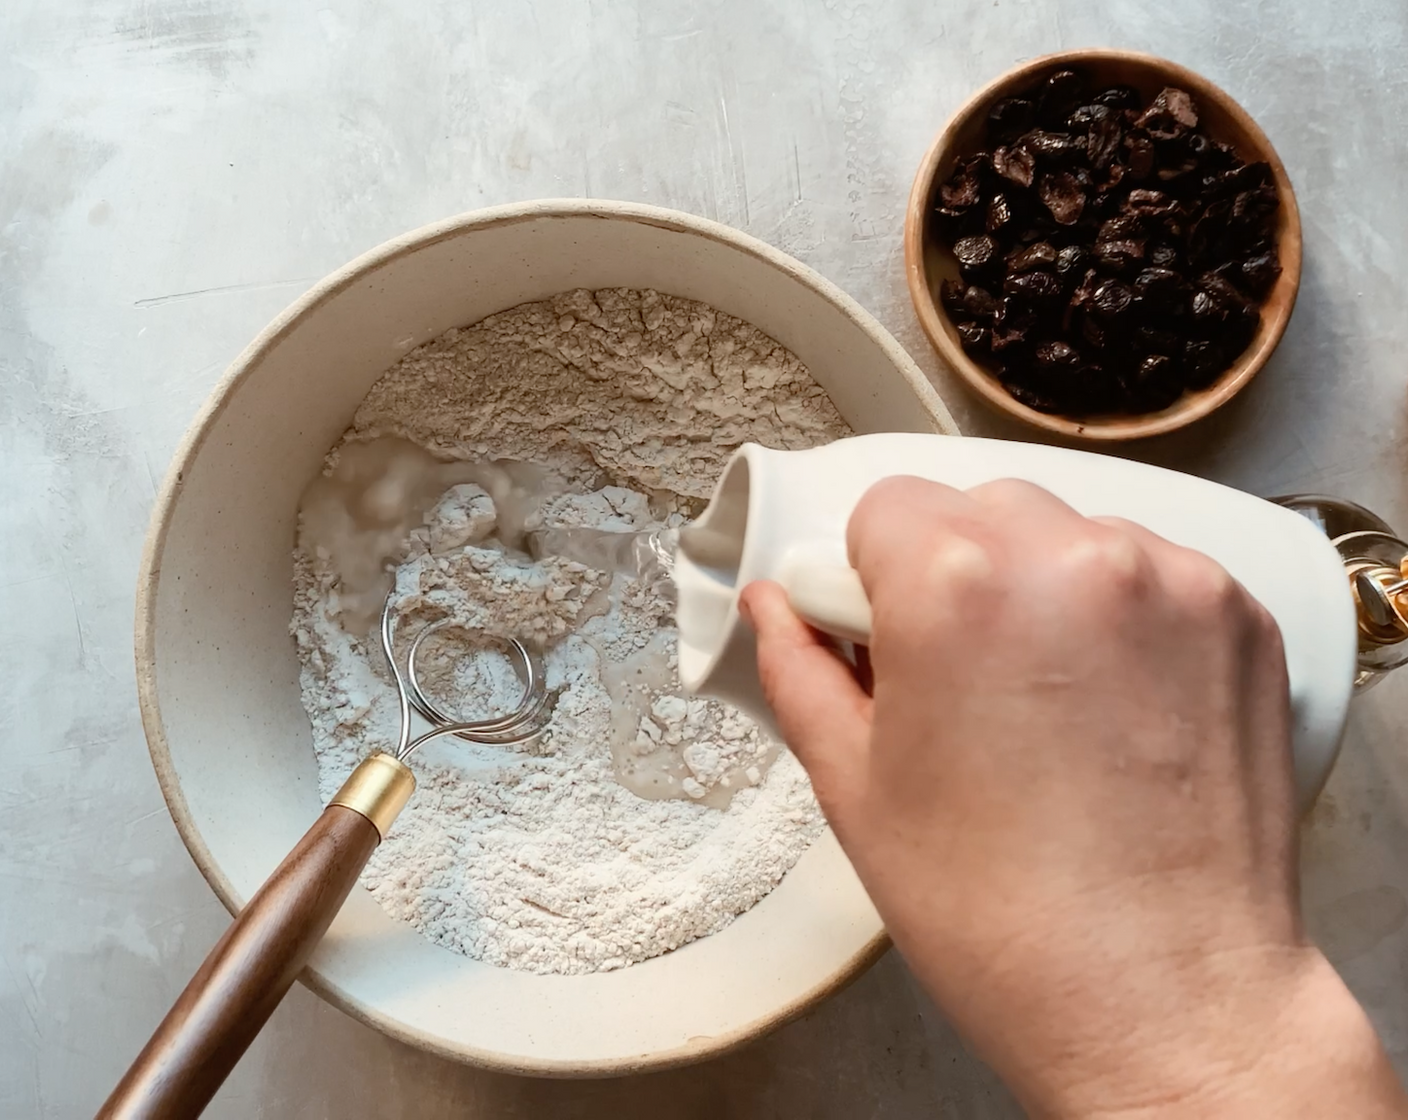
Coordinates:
<point>1208,588</point>
<point>897,489</point>
<point>883,510</point>
<point>1107,560</point>
<point>1266,630</point>
<point>955,563</point>
<point>1010,492</point>
<point>939,586</point>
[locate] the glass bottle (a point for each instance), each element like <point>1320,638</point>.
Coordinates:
<point>1376,564</point>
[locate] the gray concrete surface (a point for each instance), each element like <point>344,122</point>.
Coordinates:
<point>172,172</point>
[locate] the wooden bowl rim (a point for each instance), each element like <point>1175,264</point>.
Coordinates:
<point>1190,407</point>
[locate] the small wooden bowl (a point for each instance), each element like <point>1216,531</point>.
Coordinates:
<point>928,264</point>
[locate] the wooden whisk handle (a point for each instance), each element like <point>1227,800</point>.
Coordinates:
<point>255,963</point>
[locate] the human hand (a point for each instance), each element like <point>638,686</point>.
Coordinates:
<point>1071,800</point>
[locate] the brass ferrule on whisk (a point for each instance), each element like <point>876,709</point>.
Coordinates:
<point>378,789</point>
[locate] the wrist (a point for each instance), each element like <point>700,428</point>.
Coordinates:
<point>1291,1042</point>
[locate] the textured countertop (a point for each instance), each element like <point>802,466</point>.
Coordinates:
<point>173,172</point>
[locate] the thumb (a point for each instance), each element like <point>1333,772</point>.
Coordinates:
<point>822,711</point>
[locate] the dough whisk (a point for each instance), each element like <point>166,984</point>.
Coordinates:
<point>254,964</point>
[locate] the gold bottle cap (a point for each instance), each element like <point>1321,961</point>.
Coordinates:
<point>1381,601</point>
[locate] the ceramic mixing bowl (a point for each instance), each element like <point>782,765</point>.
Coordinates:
<point>218,676</point>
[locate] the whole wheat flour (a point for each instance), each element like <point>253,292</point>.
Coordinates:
<point>642,818</point>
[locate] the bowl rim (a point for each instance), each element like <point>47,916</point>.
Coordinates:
<point>989,389</point>
<point>200,429</point>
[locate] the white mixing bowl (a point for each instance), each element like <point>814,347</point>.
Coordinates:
<point>218,676</point>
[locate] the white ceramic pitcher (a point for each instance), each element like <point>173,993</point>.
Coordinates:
<point>782,515</point>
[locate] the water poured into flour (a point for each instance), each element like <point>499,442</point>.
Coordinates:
<point>359,517</point>
<point>648,556</point>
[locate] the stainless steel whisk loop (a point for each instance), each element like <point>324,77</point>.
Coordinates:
<point>526,721</point>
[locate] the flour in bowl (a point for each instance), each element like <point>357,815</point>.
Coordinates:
<point>643,818</point>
